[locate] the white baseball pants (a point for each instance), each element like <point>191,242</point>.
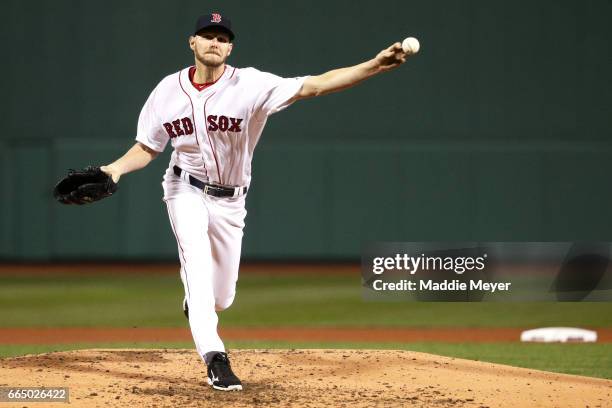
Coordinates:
<point>208,232</point>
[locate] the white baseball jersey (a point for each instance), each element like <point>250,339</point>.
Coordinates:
<point>214,131</point>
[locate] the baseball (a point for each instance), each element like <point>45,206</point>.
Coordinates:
<point>411,45</point>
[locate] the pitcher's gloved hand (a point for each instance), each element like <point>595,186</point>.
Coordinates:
<point>84,186</point>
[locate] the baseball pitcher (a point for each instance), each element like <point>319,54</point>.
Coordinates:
<point>213,114</point>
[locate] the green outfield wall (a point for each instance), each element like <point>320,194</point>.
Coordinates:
<point>500,129</point>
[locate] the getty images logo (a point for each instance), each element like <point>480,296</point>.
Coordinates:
<point>412,264</point>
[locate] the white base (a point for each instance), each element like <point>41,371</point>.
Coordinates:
<point>559,335</point>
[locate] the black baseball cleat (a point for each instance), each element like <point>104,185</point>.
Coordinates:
<point>220,374</point>
<point>186,308</point>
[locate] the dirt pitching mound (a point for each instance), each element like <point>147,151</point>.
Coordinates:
<point>297,378</point>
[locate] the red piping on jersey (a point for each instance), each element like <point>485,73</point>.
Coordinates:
<point>195,127</point>
<point>212,147</point>
<point>182,251</point>
<point>232,74</point>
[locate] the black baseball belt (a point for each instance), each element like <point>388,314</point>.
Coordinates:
<point>214,190</point>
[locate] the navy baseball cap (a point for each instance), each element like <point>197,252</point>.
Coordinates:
<point>214,20</point>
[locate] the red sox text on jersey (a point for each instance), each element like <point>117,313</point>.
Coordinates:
<point>183,126</point>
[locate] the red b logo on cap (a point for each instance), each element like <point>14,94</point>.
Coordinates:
<point>216,18</point>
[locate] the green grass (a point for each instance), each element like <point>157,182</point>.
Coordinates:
<point>337,301</point>
<point>593,360</point>
<point>90,300</point>
<point>318,300</point>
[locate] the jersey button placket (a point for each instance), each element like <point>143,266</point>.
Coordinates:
<point>199,134</point>
<point>203,140</point>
